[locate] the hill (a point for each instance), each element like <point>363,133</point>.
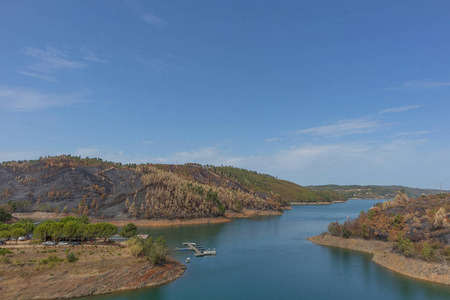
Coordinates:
<point>263,185</point>
<point>417,227</point>
<point>102,189</point>
<point>374,191</point>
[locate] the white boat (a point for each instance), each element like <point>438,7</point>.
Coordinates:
<point>210,252</point>
<point>188,260</point>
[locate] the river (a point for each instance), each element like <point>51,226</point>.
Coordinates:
<point>270,258</point>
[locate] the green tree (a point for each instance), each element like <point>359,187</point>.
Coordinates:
<point>427,251</point>
<point>136,246</point>
<point>56,231</point>
<point>26,224</point>
<point>43,230</point>
<point>81,231</point>
<point>129,230</point>
<point>158,251</point>
<point>4,226</point>
<point>5,234</point>
<point>68,219</point>
<point>18,232</point>
<point>405,245</point>
<point>106,230</point>
<point>4,215</point>
<point>70,229</point>
<point>91,231</point>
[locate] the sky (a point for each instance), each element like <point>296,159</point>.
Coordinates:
<point>315,92</point>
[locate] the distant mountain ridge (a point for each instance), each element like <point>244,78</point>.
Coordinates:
<point>374,191</point>
<point>102,189</point>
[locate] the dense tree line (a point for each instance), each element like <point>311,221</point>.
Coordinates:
<point>23,227</point>
<point>72,228</point>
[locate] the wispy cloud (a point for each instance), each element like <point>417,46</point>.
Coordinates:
<point>153,20</point>
<point>400,109</point>
<point>275,139</point>
<point>420,84</point>
<point>28,100</point>
<point>89,55</point>
<point>51,59</point>
<point>48,61</point>
<point>345,127</point>
<point>156,65</point>
<point>40,76</point>
<point>409,133</point>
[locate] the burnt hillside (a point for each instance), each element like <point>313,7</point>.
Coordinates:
<point>103,189</point>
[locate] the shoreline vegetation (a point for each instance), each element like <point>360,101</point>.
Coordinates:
<point>383,255</point>
<point>72,257</point>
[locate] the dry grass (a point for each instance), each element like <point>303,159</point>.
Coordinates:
<point>25,274</point>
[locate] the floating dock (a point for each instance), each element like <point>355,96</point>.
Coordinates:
<point>199,250</point>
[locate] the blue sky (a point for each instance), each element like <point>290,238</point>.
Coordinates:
<point>316,92</point>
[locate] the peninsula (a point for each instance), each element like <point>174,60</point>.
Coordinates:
<point>408,236</point>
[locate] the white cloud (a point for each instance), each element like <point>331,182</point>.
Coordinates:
<point>51,59</point>
<point>345,127</point>
<point>420,84</point>
<point>275,139</point>
<point>153,20</point>
<point>400,109</point>
<point>28,100</point>
<point>400,144</point>
<point>156,65</point>
<point>89,55</point>
<point>408,133</point>
<point>40,76</point>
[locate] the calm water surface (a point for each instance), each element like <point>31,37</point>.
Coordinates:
<point>270,258</point>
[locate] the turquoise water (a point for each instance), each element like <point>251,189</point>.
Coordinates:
<point>270,258</point>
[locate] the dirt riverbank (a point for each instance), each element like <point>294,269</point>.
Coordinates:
<point>383,255</point>
<point>43,273</point>
<point>155,223</point>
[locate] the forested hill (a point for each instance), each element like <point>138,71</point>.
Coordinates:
<point>98,188</point>
<point>262,184</point>
<point>374,191</point>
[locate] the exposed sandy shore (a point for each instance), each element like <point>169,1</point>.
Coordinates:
<point>252,213</point>
<point>156,223</point>
<point>311,203</point>
<point>161,223</point>
<point>383,255</point>
<point>316,203</point>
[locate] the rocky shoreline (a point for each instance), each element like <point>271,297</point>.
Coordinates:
<point>383,255</point>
